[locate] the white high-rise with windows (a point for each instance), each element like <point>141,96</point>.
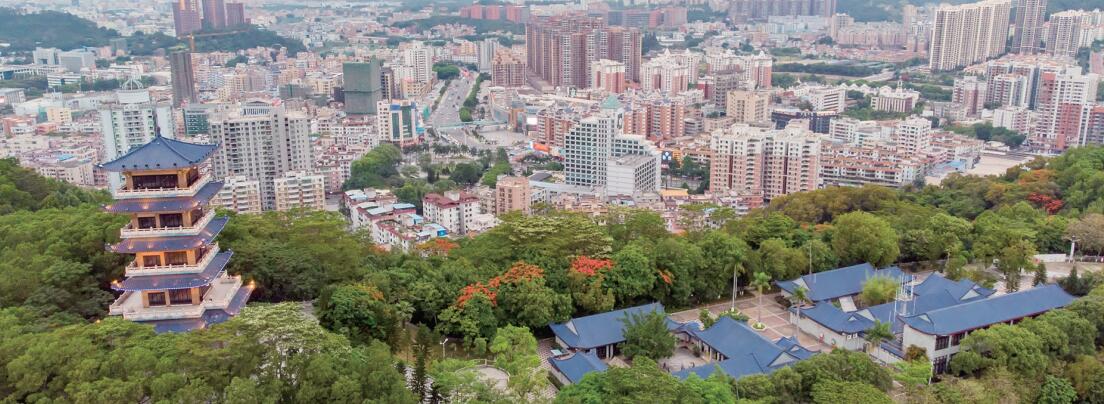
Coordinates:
<point>594,140</point>
<point>261,144</point>
<point>420,58</point>
<point>968,33</point>
<point>131,121</point>
<point>1064,36</point>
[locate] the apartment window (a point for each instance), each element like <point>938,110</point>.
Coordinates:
<point>156,298</point>
<point>941,342</point>
<point>957,338</point>
<point>151,260</point>
<point>147,222</point>
<point>176,258</point>
<point>180,296</point>
<point>172,220</point>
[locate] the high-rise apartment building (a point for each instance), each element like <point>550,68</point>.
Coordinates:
<point>513,194</point>
<point>970,93</point>
<point>608,75</point>
<point>183,78</point>
<point>1028,30</point>
<point>508,70</point>
<point>214,14</point>
<point>239,194</point>
<point>560,49</point>
<point>763,162</point>
<point>299,190</point>
<point>399,122</point>
<point>363,86</point>
<point>132,121</point>
<point>235,14</point>
<point>1062,101</point>
<point>669,73</point>
<point>748,106</point>
<point>262,143</point>
<point>968,33</point>
<point>656,117</point>
<point>1064,36</point>
<point>420,58</point>
<point>187,17</point>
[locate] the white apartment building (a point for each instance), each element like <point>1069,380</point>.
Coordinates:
<point>1064,35</point>
<point>300,190</point>
<point>670,73</point>
<point>914,136</point>
<point>594,140</point>
<point>261,144</point>
<point>968,33</point>
<point>898,99</point>
<point>455,211</point>
<point>632,174</point>
<point>239,194</point>
<point>131,121</point>
<point>828,99</point>
<point>420,58</point>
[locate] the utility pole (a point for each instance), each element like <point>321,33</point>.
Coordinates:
<point>734,277</point>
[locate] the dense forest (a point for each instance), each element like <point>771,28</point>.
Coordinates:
<point>378,312</point>
<point>48,29</point>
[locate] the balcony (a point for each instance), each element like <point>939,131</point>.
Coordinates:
<point>193,230</point>
<point>218,297</point>
<point>191,190</point>
<point>133,269</point>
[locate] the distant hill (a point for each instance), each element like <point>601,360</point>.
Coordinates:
<point>50,29</point>
<point>882,10</point>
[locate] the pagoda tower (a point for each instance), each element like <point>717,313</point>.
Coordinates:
<point>177,280</point>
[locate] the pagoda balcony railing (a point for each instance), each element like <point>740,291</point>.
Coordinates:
<point>124,193</point>
<point>219,296</point>
<point>133,269</point>
<point>194,229</point>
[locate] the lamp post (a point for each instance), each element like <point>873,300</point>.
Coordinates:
<point>734,287</point>
<point>1073,247</point>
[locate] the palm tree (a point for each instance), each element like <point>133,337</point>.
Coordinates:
<point>760,281</point>
<point>877,333</point>
<point>798,298</point>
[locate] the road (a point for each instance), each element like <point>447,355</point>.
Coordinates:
<point>448,111</point>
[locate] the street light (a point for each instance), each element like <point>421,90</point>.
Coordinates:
<point>1073,247</point>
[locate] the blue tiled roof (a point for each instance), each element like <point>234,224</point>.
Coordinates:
<point>840,282</point>
<point>936,292</point>
<point>161,153</point>
<point>793,347</point>
<point>179,281</point>
<point>177,204</point>
<point>578,365</point>
<point>746,351</point>
<point>209,317</point>
<point>601,329</point>
<point>984,312</point>
<point>136,245</point>
<point>175,326</point>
